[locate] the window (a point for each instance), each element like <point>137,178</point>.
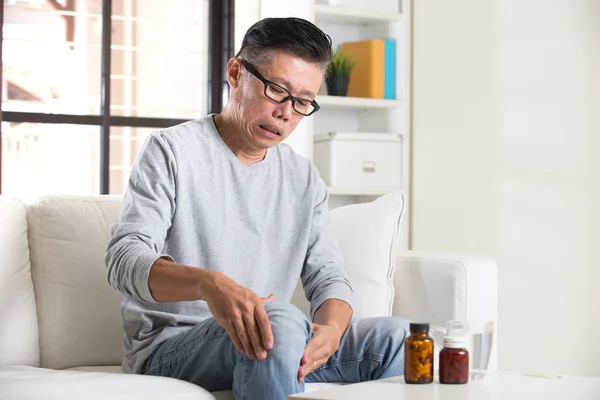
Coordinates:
<point>68,129</point>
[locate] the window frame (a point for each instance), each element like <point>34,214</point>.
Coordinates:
<point>221,44</point>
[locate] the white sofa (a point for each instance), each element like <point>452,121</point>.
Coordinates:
<point>60,323</point>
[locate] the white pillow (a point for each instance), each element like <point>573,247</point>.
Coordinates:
<point>75,305</point>
<point>368,236</point>
<point>18,318</point>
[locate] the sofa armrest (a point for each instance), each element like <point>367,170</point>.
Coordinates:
<point>439,287</point>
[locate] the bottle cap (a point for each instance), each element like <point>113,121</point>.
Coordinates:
<point>455,342</point>
<point>419,327</point>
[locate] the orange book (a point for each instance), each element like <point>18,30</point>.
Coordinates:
<point>367,78</point>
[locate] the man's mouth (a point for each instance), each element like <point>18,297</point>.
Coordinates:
<point>271,129</point>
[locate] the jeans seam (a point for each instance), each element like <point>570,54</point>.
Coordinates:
<point>244,389</point>
<point>162,366</point>
<point>374,358</point>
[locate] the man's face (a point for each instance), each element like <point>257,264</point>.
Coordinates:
<point>259,115</point>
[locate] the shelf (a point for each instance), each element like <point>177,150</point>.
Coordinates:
<point>361,191</point>
<point>356,102</point>
<point>349,15</point>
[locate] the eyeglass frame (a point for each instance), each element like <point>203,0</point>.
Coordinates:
<point>250,68</point>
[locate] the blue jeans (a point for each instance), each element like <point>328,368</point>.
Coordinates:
<point>371,348</point>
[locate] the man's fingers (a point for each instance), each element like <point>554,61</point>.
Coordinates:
<point>307,369</point>
<point>270,297</point>
<point>319,354</point>
<point>305,358</point>
<point>316,364</point>
<point>255,337</point>
<point>315,354</point>
<point>232,332</point>
<point>314,350</point>
<point>244,338</point>
<point>264,325</point>
<point>310,348</point>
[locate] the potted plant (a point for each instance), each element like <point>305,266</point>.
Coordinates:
<point>337,75</point>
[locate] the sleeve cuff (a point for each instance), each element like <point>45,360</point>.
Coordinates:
<point>144,263</point>
<point>344,293</point>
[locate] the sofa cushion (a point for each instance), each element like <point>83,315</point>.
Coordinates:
<point>79,314</point>
<point>39,383</point>
<point>18,320</point>
<point>219,395</point>
<point>368,237</point>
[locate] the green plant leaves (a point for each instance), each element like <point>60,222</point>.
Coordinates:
<point>341,64</point>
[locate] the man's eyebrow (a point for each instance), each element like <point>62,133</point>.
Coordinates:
<point>287,84</point>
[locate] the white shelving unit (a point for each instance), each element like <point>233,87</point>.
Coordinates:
<point>350,114</point>
<point>356,103</point>
<point>360,191</point>
<point>344,23</point>
<point>350,15</point>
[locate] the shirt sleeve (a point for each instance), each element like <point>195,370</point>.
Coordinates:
<point>323,276</point>
<point>137,237</point>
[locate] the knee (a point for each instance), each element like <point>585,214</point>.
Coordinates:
<point>398,327</point>
<point>392,333</point>
<point>387,332</point>
<point>291,331</point>
<point>279,371</point>
<point>288,321</point>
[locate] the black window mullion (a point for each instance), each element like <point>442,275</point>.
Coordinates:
<point>105,97</point>
<point>215,64</point>
<point>43,118</point>
<point>227,45</point>
<point>145,122</point>
<point>77,119</point>
<point>220,39</point>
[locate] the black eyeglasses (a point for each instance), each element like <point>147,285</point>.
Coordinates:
<point>279,94</point>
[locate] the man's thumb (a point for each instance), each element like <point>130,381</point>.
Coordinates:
<point>271,297</point>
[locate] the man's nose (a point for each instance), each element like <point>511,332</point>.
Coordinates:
<point>284,110</point>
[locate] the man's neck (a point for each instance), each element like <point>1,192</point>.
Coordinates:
<point>231,133</point>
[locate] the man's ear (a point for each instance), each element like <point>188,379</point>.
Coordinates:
<point>234,72</point>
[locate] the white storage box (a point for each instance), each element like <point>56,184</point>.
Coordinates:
<point>368,160</point>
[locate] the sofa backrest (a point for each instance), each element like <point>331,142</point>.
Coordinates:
<point>18,320</point>
<point>78,313</point>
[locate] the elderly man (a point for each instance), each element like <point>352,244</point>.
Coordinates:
<point>219,222</point>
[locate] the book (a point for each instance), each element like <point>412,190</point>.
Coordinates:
<point>390,69</point>
<point>367,78</point>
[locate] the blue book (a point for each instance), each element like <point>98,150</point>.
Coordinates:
<point>390,69</point>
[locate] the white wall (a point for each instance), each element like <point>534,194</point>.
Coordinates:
<point>506,158</point>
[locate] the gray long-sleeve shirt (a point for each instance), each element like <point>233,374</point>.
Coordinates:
<point>189,198</point>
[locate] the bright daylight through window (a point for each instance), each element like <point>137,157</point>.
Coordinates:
<point>53,60</point>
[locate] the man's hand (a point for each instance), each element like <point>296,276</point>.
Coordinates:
<point>242,314</point>
<point>324,342</point>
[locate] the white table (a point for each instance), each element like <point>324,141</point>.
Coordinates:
<point>497,385</point>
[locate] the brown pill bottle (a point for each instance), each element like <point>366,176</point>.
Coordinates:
<point>454,361</point>
<point>418,355</point>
